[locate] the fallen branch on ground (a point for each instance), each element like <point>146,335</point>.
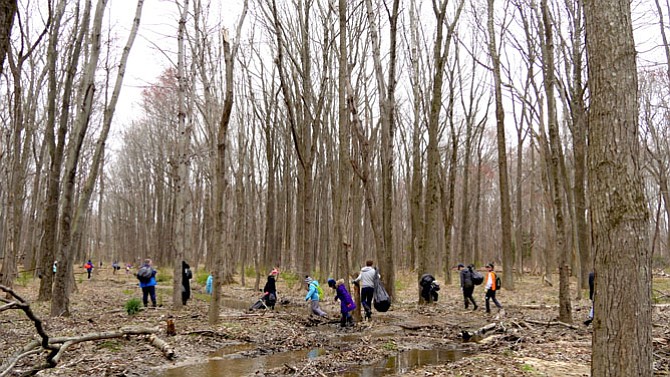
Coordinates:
<point>58,345</point>
<point>556,323</point>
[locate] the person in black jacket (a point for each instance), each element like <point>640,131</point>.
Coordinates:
<point>467,285</point>
<point>592,277</point>
<point>186,276</point>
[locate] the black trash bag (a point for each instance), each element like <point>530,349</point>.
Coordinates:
<point>381,299</point>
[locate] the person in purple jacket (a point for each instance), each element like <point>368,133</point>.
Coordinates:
<point>347,305</point>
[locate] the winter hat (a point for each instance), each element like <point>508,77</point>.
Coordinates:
<point>490,265</point>
<point>331,282</point>
<point>308,279</point>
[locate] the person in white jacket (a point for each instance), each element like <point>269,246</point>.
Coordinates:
<point>366,279</point>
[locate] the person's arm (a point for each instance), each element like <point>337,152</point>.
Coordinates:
<point>358,278</point>
<point>311,291</point>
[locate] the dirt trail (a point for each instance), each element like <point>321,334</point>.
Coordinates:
<point>525,343</point>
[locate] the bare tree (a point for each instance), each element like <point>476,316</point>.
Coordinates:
<point>505,206</point>
<point>622,342</point>
<point>229,51</point>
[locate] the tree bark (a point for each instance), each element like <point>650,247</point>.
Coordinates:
<point>622,342</point>
<point>505,206</point>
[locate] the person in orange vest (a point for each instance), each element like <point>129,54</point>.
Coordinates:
<point>89,268</point>
<point>491,288</point>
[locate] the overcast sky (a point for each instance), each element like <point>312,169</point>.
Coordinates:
<point>155,47</point>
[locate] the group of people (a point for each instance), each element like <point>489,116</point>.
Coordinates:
<point>468,278</point>
<point>365,281</point>
<point>146,275</point>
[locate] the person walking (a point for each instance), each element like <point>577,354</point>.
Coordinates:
<point>347,304</point>
<point>592,278</point>
<point>186,276</point>
<point>147,277</point>
<point>366,280</point>
<point>467,285</point>
<point>89,268</point>
<point>491,288</point>
<point>209,284</point>
<point>313,295</point>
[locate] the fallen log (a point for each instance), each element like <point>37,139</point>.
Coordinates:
<point>162,345</point>
<point>555,323</point>
<point>478,334</point>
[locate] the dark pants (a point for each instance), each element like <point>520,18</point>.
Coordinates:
<point>149,291</point>
<point>366,299</point>
<point>467,297</point>
<point>346,319</point>
<point>89,273</point>
<point>491,295</point>
<point>428,294</point>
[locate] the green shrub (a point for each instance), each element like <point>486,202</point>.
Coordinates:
<point>250,272</point>
<point>164,275</point>
<point>128,292</point>
<point>291,279</point>
<point>133,306</point>
<point>201,276</point>
<point>24,278</point>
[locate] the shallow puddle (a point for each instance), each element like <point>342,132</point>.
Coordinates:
<point>235,364</point>
<point>231,361</point>
<point>405,361</point>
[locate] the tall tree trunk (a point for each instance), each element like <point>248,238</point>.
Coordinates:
<point>565,306</point>
<point>622,341</point>
<point>7,12</point>
<point>229,53</point>
<point>182,167</point>
<point>60,303</point>
<point>505,207</point>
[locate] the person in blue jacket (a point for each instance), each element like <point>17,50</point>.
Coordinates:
<point>313,295</point>
<point>148,284</point>
<point>208,285</point>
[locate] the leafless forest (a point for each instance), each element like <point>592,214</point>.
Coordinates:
<point>315,134</point>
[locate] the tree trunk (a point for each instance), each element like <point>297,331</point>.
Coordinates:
<point>565,306</point>
<point>505,207</point>
<point>7,12</point>
<point>60,303</point>
<point>622,341</point>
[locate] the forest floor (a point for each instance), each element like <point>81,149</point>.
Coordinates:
<point>527,339</point>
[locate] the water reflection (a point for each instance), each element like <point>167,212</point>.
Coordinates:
<point>405,361</point>
<point>236,365</point>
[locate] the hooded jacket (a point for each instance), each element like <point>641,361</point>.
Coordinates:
<point>313,292</point>
<point>346,303</point>
<point>367,277</point>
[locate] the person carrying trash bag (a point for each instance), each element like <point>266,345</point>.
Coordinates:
<point>269,297</point>
<point>366,280</point>
<point>429,288</point>
<point>382,300</point>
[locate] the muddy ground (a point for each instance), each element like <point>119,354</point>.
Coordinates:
<point>526,341</point>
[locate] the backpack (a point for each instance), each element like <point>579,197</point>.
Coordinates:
<point>477,278</point>
<point>498,283</point>
<point>320,291</point>
<point>144,274</point>
<point>88,266</point>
